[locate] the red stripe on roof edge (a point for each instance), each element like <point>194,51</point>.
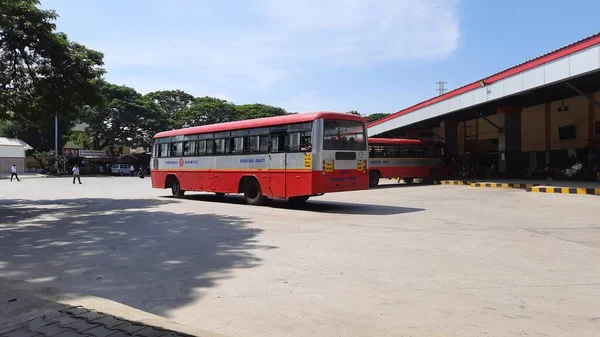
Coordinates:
<point>260,122</point>
<point>538,61</point>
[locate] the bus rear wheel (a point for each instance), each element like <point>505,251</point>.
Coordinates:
<point>176,189</point>
<point>434,175</point>
<point>374,178</point>
<point>408,180</point>
<point>253,193</point>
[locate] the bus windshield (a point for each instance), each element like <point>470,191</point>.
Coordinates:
<point>343,135</point>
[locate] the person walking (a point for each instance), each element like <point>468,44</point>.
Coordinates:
<point>76,174</point>
<point>13,173</point>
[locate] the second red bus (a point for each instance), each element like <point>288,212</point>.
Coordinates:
<point>407,159</point>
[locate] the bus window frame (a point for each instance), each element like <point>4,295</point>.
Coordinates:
<point>223,143</point>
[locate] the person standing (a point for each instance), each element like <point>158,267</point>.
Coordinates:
<point>131,170</point>
<point>13,172</point>
<point>76,174</point>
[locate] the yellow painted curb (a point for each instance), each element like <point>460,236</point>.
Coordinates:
<point>503,185</point>
<point>565,190</point>
<point>454,182</point>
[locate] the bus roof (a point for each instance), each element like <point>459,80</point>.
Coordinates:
<point>261,122</point>
<point>390,141</point>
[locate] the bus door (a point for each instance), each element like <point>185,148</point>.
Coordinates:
<point>277,165</point>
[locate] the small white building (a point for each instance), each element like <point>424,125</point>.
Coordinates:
<point>12,152</point>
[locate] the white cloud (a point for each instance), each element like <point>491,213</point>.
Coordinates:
<point>342,32</point>
<point>274,41</point>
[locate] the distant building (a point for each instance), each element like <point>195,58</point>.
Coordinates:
<point>12,152</point>
<point>73,150</point>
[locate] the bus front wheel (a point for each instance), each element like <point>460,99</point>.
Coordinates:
<point>176,189</point>
<point>374,178</point>
<point>408,180</point>
<point>253,193</point>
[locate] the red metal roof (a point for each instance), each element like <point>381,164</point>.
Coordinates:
<point>261,122</point>
<point>548,57</point>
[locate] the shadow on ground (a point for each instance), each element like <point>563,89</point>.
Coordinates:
<point>126,250</point>
<point>313,205</point>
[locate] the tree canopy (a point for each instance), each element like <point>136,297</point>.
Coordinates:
<point>41,71</point>
<point>373,117</point>
<point>173,104</point>
<point>43,74</point>
<point>370,118</point>
<point>123,117</point>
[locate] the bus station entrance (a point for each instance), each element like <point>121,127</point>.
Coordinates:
<point>537,120</point>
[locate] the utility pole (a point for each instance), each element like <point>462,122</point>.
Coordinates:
<point>441,89</point>
<point>56,142</point>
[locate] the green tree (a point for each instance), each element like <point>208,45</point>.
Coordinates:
<point>41,71</point>
<point>209,110</point>
<point>354,112</point>
<point>124,117</point>
<point>173,103</point>
<point>249,111</point>
<point>373,117</point>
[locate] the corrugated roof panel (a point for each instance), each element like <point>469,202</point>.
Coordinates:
<point>529,64</point>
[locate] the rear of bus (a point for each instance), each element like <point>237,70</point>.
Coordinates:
<point>341,156</point>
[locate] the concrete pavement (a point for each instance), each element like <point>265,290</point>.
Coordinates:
<point>392,261</point>
<point>30,310</point>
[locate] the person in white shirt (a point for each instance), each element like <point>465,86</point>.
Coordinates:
<point>13,173</point>
<point>76,174</point>
<point>131,170</point>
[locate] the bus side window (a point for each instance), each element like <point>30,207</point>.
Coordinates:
<point>417,153</point>
<point>293,143</point>
<point>210,146</point>
<point>306,141</point>
<point>189,148</point>
<point>219,146</point>
<point>238,145</point>
<point>229,146</point>
<point>176,149</point>
<point>201,147</point>
<point>251,144</point>
<point>164,150</point>
<point>263,144</point>
<point>278,143</point>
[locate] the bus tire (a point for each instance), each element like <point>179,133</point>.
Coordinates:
<point>434,175</point>
<point>176,188</point>
<point>298,200</point>
<point>374,178</point>
<point>253,192</point>
<point>408,180</point>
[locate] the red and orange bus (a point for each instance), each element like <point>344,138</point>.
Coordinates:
<point>292,157</point>
<point>407,159</point>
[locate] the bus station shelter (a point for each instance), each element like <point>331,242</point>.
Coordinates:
<point>539,116</point>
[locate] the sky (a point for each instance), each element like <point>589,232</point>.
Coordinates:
<point>313,55</point>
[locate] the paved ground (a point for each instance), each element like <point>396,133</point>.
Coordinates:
<point>393,261</point>
<point>82,322</point>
